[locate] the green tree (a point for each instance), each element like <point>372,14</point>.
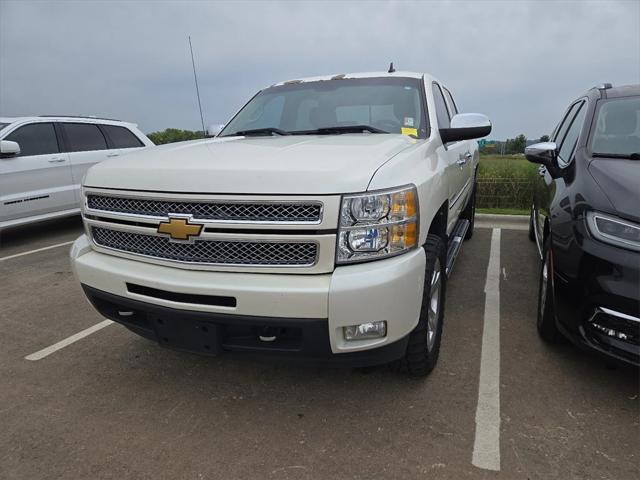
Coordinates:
<point>516,145</point>
<point>171,135</point>
<point>544,138</point>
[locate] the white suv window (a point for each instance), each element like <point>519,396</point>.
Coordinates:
<point>83,137</point>
<point>35,139</point>
<point>121,137</point>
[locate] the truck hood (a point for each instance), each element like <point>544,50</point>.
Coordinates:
<point>619,181</point>
<point>322,164</point>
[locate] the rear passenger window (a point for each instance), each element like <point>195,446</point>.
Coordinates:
<point>35,139</point>
<point>84,137</point>
<point>441,108</point>
<point>121,137</point>
<point>452,104</point>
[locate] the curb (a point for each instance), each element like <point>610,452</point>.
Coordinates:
<point>510,222</point>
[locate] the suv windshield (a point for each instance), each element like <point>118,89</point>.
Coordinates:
<point>373,105</point>
<point>617,132</point>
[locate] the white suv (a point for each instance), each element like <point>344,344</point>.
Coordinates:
<point>43,161</point>
<point>320,224</point>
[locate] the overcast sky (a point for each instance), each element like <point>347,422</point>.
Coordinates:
<point>519,62</point>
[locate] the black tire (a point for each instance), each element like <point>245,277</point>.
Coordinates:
<point>546,322</point>
<point>532,231</point>
<point>469,212</point>
<point>424,341</point>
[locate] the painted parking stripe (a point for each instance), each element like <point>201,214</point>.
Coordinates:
<point>36,250</point>
<point>486,448</point>
<point>45,352</point>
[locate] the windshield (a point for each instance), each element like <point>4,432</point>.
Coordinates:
<point>374,105</point>
<point>617,131</point>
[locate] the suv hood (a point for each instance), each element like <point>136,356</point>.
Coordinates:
<point>322,164</point>
<point>619,180</point>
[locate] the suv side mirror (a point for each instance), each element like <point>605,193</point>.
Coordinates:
<point>466,126</point>
<point>214,130</point>
<point>544,153</point>
<point>9,149</point>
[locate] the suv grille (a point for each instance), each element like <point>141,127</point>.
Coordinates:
<point>230,211</point>
<point>220,252</point>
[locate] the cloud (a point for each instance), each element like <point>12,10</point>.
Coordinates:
<point>519,62</point>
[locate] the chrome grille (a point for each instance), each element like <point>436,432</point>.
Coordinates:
<point>219,252</point>
<point>255,211</point>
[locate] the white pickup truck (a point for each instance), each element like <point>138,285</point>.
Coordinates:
<point>320,224</point>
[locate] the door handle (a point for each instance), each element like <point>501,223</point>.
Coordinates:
<point>461,161</point>
<point>112,154</point>
<point>57,160</point>
<point>468,156</point>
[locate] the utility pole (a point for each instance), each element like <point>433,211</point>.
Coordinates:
<point>195,77</point>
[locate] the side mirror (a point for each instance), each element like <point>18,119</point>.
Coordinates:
<point>544,153</point>
<point>466,126</point>
<point>214,130</point>
<point>9,149</point>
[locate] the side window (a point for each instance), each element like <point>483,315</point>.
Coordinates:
<point>441,108</point>
<point>83,137</point>
<point>563,126</point>
<point>121,137</point>
<point>568,145</point>
<point>452,105</point>
<point>35,139</point>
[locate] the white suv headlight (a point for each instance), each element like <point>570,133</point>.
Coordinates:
<point>377,224</point>
<point>614,230</point>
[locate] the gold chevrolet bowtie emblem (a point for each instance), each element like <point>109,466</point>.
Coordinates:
<point>179,228</point>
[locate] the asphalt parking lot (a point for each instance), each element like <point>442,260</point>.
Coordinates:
<point>113,405</point>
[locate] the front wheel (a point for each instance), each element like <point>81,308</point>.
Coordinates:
<point>424,341</point>
<point>532,231</point>
<point>546,322</point>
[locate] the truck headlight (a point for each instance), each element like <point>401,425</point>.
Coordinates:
<point>378,224</point>
<point>614,230</point>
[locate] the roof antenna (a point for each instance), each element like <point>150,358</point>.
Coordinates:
<point>195,77</point>
<point>391,69</point>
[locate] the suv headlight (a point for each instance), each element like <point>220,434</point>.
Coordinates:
<point>377,225</point>
<point>614,230</point>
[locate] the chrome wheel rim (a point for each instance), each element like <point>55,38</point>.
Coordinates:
<point>433,313</point>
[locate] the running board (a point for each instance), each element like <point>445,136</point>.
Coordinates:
<point>455,242</point>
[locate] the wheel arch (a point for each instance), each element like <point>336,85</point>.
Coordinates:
<point>438,224</point>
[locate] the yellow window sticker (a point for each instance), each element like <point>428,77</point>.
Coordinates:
<point>409,131</point>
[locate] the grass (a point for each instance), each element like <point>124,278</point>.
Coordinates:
<point>505,184</point>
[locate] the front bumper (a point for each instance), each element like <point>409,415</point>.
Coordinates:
<point>314,308</point>
<point>597,294</point>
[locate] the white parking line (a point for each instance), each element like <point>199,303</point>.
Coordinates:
<point>36,250</point>
<point>486,448</point>
<point>45,352</point>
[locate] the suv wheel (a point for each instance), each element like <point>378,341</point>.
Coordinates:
<point>546,323</point>
<point>424,341</point>
<point>469,212</point>
<point>532,231</point>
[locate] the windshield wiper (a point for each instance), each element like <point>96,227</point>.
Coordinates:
<point>258,131</point>
<point>628,156</point>
<point>340,129</point>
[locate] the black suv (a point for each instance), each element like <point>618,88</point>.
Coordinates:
<point>585,219</point>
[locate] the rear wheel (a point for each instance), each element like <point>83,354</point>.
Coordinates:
<point>546,323</point>
<point>424,341</point>
<point>469,212</point>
